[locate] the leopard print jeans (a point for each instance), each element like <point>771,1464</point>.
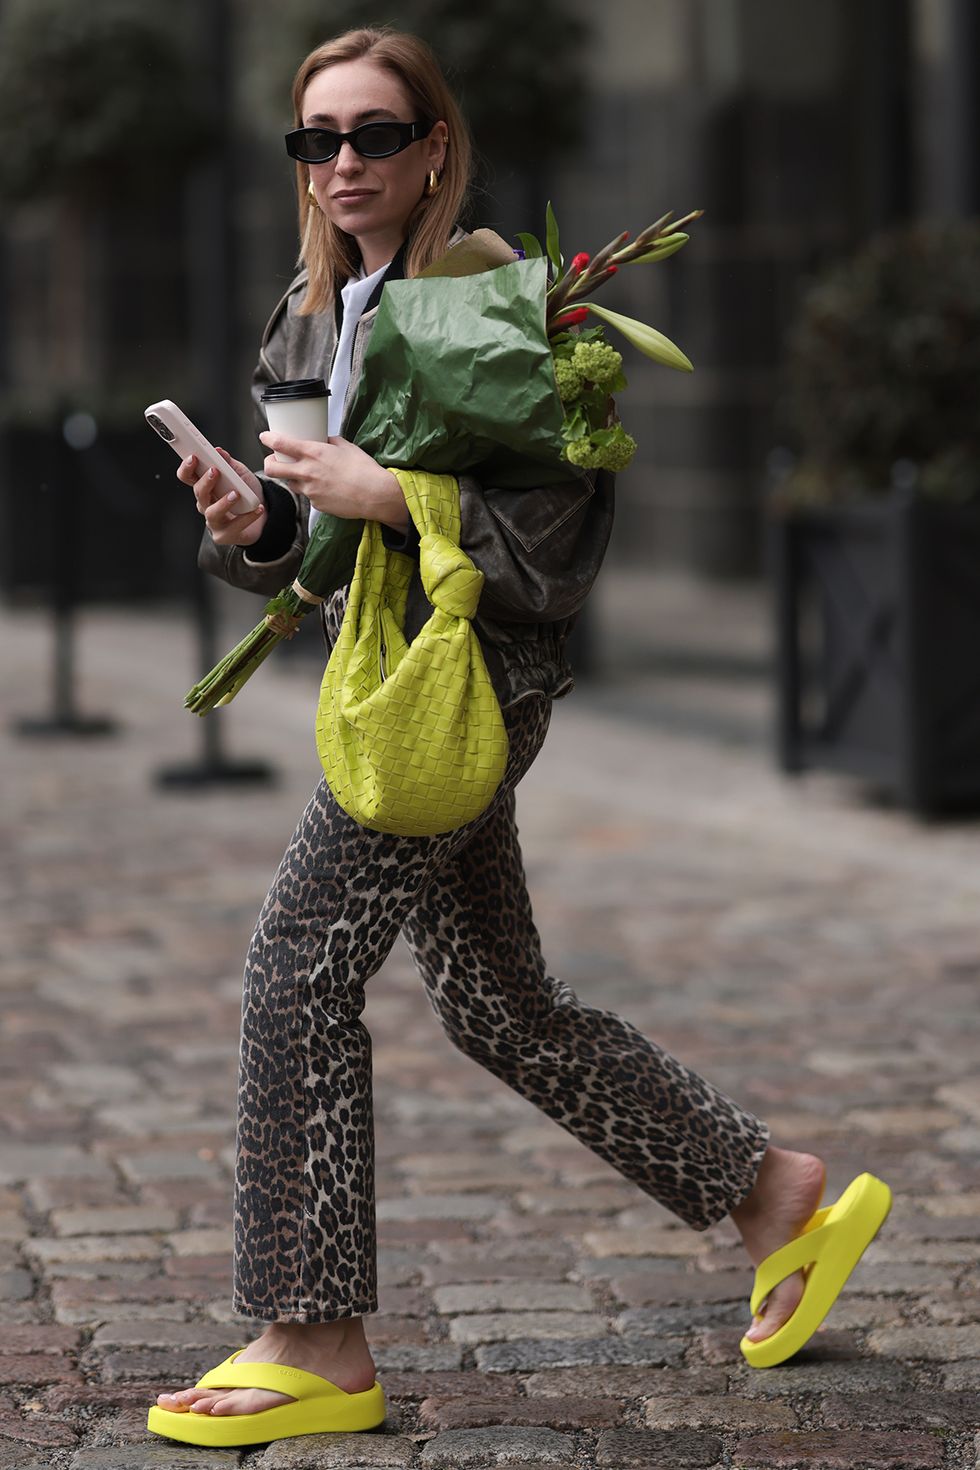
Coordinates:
<point>304,1212</point>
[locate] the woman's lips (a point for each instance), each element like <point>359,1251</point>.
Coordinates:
<point>351,196</point>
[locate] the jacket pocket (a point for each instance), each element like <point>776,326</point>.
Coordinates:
<point>532,515</point>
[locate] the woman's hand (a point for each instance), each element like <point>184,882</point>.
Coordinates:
<point>338,478</point>
<point>227,529</point>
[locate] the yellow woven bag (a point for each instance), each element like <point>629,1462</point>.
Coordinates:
<point>410,736</point>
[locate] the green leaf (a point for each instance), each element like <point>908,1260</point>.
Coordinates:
<point>531,245</point>
<point>554,250</point>
<point>576,425</point>
<point>563,346</point>
<point>646,339</point>
<point>669,245</point>
<point>596,402</point>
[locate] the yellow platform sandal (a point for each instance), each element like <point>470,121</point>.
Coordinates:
<point>319,1406</point>
<point>827,1249</point>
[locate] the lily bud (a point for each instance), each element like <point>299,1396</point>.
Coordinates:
<point>579,262</point>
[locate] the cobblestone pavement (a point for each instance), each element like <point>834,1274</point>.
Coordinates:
<point>815,956</point>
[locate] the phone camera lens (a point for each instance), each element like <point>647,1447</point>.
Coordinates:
<point>161,428</point>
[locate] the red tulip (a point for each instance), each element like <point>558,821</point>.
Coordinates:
<point>571,318</point>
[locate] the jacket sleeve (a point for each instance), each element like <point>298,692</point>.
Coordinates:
<point>406,541</point>
<point>539,550</point>
<point>273,561</point>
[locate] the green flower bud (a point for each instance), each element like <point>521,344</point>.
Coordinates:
<point>568,378</point>
<point>618,453</point>
<point>582,452</point>
<point>598,362</point>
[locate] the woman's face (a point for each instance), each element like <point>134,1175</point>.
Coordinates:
<point>369,198</point>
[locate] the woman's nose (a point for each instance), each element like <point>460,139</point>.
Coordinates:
<point>348,160</point>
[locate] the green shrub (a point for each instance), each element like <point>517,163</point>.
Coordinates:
<point>94,93</point>
<point>883,365</point>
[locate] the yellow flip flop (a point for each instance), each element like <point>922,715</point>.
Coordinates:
<point>827,1249</point>
<point>319,1406</point>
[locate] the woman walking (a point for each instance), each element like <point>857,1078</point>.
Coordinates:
<point>383,162</point>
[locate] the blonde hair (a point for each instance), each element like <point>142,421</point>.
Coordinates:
<point>329,254</point>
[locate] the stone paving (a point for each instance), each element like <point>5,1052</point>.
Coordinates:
<point>814,955</point>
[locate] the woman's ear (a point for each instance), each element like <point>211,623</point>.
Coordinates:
<point>437,141</point>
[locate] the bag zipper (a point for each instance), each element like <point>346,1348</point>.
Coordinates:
<point>381,661</point>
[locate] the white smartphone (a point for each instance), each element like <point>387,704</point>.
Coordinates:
<point>184,438</point>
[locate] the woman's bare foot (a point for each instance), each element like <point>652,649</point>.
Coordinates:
<point>786,1193</point>
<point>337,1351</point>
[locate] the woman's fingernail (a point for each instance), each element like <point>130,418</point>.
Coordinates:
<point>212,473</point>
<point>232,494</point>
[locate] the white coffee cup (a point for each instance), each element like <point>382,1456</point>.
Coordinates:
<point>298,408</point>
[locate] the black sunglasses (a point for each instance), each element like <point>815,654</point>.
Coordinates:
<point>370,140</point>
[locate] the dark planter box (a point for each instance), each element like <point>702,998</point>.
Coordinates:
<point>112,519</point>
<point>878,647</point>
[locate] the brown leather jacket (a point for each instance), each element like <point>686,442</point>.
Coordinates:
<point>539,550</point>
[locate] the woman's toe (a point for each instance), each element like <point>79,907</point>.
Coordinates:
<point>248,1401</point>
<point>228,1405</point>
<point>780,1305</point>
<point>202,1406</point>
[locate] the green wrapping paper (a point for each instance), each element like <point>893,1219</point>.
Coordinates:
<point>458,376</point>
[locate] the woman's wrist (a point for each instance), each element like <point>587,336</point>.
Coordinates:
<point>388,504</point>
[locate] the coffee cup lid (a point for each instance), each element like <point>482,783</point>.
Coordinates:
<point>295,388</point>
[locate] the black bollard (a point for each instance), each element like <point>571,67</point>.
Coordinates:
<point>76,431</point>
<point>214,285</point>
<point>213,769</point>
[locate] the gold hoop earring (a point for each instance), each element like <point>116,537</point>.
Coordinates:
<point>434,184</point>
<point>311,191</point>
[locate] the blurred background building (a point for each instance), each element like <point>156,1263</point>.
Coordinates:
<point>149,223</point>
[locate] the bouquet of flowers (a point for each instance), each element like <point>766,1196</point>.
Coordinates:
<point>471,368</point>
